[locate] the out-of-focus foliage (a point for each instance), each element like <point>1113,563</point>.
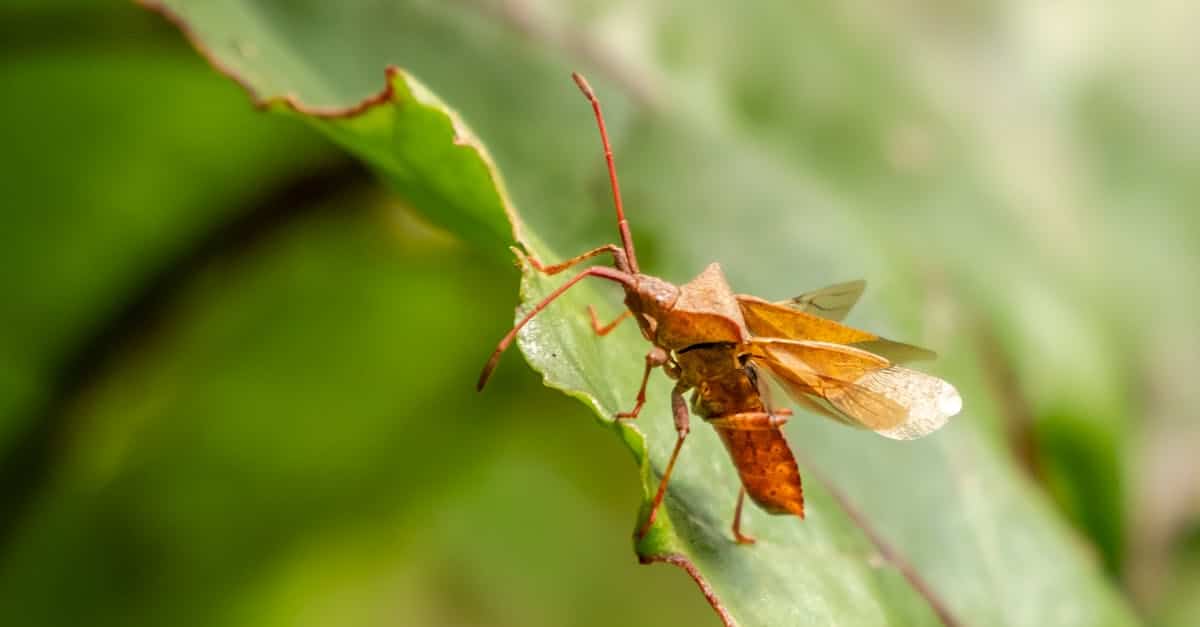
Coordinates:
<point>293,440</point>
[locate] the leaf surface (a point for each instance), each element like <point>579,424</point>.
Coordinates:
<point>701,187</point>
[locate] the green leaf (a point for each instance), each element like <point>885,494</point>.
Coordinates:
<point>83,241</point>
<point>1175,579</point>
<point>404,131</point>
<point>707,186</point>
<point>230,440</point>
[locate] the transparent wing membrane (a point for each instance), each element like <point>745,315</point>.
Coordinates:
<point>858,387</point>
<point>831,303</point>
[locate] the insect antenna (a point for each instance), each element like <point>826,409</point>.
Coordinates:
<point>598,271</point>
<point>622,224</point>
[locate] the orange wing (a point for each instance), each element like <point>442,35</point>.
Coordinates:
<point>774,320</point>
<point>859,388</point>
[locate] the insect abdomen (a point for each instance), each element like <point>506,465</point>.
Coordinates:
<point>767,468</point>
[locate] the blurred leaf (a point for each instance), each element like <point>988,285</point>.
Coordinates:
<point>201,461</point>
<point>1180,604</point>
<point>952,503</point>
<point>1078,468</point>
<point>441,570</point>
<point>103,194</point>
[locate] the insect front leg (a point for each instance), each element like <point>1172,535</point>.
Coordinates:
<point>682,426</point>
<point>655,358</point>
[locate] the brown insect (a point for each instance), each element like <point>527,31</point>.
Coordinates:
<point>717,343</point>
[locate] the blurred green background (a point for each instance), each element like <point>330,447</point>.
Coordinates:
<point>236,372</point>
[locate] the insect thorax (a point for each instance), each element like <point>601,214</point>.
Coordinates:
<point>722,384</point>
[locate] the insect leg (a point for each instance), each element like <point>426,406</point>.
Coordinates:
<point>682,426</point>
<point>600,271</point>
<point>619,259</point>
<point>738,536</point>
<point>603,330</point>
<point>750,421</point>
<point>655,358</point>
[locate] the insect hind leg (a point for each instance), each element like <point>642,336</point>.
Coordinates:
<point>751,421</point>
<point>738,536</point>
